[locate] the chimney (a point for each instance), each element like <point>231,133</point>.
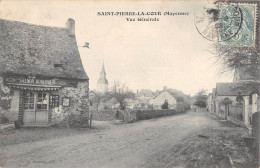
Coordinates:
<point>164,87</point>
<point>70,25</point>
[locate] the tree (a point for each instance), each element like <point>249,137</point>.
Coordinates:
<point>121,93</point>
<point>226,102</point>
<point>98,98</point>
<point>201,98</point>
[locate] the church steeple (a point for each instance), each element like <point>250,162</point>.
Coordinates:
<point>103,72</point>
<point>102,84</point>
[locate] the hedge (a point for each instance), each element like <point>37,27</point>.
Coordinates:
<point>134,115</point>
<point>103,115</point>
<point>149,114</point>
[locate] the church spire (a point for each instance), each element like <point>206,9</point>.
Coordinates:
<point>103,68</point>
<point>102,84</point>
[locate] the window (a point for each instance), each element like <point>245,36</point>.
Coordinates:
<point>42,102</point>
<point>29,100</point>
<point>251,98</point>
<point>54,100</point>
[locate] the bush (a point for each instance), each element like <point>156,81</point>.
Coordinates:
<point>119,115</point>
<point>126,115</point>
<point>3,119</point>
<point>144,115</point>
<point>17,124</point>
<point>165,105</point>
<point>72,120</point>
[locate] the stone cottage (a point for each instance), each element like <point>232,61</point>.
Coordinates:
<point>161,98</point>
<point>42,79</point>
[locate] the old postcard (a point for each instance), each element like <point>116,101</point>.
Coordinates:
<point>123,84</point>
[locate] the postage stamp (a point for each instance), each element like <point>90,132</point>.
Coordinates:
<point>246,36</point>
<point>218,23</point>
<point>229,24</point>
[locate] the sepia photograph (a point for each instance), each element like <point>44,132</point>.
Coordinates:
<point>129,84</point>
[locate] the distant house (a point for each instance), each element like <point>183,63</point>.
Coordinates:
<point>42,79</point>
<point>131,103</point>
<point>144,95</point>
<point>161,98</point>
<point>95,101</point>
<point>111,103</point>
<point>99,101</point>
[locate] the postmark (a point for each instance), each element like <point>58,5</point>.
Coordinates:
<point>246,35</point>
<point>228,24</point>
<point>219,23</point>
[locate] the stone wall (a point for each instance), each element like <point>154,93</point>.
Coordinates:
<point>9,103</point>
<point>77,114</point>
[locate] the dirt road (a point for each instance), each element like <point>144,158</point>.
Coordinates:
<point>150,143</point>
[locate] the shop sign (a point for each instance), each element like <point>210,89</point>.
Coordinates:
<point>35,81</point>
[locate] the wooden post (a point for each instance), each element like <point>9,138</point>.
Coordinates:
<point>246,117</point>
<point>90,120</point>
<point>226,111</point>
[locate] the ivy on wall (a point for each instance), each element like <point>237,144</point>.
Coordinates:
<point>5,96</point>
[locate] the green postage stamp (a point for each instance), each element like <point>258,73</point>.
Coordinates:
<point>238,24</point>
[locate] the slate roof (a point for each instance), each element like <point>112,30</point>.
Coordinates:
<point>231,89</point>
<point>145,93</point>
<point>162,92</point>
<point>34,50</point>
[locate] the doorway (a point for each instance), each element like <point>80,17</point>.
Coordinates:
<point>36,106</point>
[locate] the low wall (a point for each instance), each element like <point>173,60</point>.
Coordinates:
<point>236,112</point>
<point>235,121</point>
<point>103,115</point>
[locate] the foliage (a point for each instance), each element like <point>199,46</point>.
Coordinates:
<point>165,105</point>
<point>98,98</point>
<point>149,114</point>
<point>17,124</point>
<point>233,58</point>
<point>241,59</point>
<point>120,92</point>
<point>226,101</point>
<point>201,98</point>
<point>5,104</point>
<point>3,119</point>
<point>200,104</point>
<point>126,115</point>
<point>179,95</point>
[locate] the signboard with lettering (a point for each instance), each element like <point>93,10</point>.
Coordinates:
<point>36,81</point>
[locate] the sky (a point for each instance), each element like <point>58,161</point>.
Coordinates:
<point>143,55</point>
